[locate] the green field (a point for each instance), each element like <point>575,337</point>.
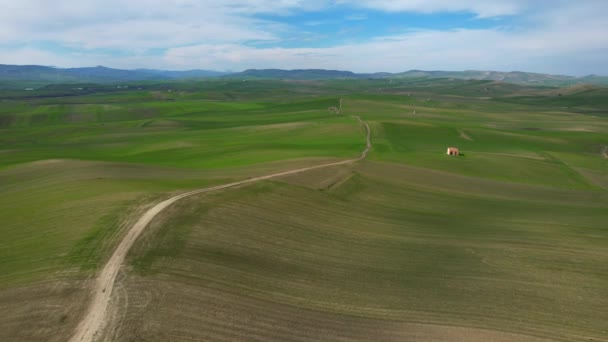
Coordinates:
<point>507,242</point>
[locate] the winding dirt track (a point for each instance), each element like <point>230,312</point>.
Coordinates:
<point>93,319</point>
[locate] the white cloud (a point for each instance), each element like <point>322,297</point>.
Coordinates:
<point>27,56</point>
<point>218,34</point>
<point>167,23</point>
<point>446,50</point>
<point>139,23</point>
<point>482,8</point>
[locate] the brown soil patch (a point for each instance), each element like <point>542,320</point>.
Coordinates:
<point>43,312</point>
<point>579,129</point>
<point>515,155</point>
<point>47,161</point>
<point>158,309</point>
<point>595,177</point>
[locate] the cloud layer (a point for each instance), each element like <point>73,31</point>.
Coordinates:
<point>558,36</point>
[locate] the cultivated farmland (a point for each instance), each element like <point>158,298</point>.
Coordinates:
<point>506,242</point>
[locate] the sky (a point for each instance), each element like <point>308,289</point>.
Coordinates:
<point>548,36</point>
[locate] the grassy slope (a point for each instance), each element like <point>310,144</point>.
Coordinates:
<point>190,135</point>
<point>61,216</point>
<point>75,171</point>
<point>385,242</point>
<point>509,237</point>
<point>464,239</point>
<point>513,143</point>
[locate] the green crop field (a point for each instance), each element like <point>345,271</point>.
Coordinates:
<point>507,242</point>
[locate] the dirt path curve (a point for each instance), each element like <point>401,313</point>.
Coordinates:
<point>91,323</point>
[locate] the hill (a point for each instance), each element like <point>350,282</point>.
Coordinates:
<point>515,77</point>
<point>506,242</point>
<point>22,76</point>
<point>300,74</point>
<point>98,74</point>
<point>171,74</point>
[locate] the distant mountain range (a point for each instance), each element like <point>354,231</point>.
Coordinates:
<point>100,74</point>
<point>516,77</point>
<point>94,74</point>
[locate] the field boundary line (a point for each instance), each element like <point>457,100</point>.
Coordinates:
<point>89,327</point>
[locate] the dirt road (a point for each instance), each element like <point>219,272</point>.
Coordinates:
<point>88,329</point>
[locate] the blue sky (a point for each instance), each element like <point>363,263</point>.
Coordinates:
<point>344,24</point>
<point>550,36</point>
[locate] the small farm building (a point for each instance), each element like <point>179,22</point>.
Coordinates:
<point>453,151</point>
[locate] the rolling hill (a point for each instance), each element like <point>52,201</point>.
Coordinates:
<point>36,75</point>
<point>515,77</point>
<point>99,74</point>
<point>506,242</point>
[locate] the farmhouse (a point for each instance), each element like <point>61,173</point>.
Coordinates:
<point>453,151</point>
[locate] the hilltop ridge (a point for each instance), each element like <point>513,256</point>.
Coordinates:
<point>100,74</point>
